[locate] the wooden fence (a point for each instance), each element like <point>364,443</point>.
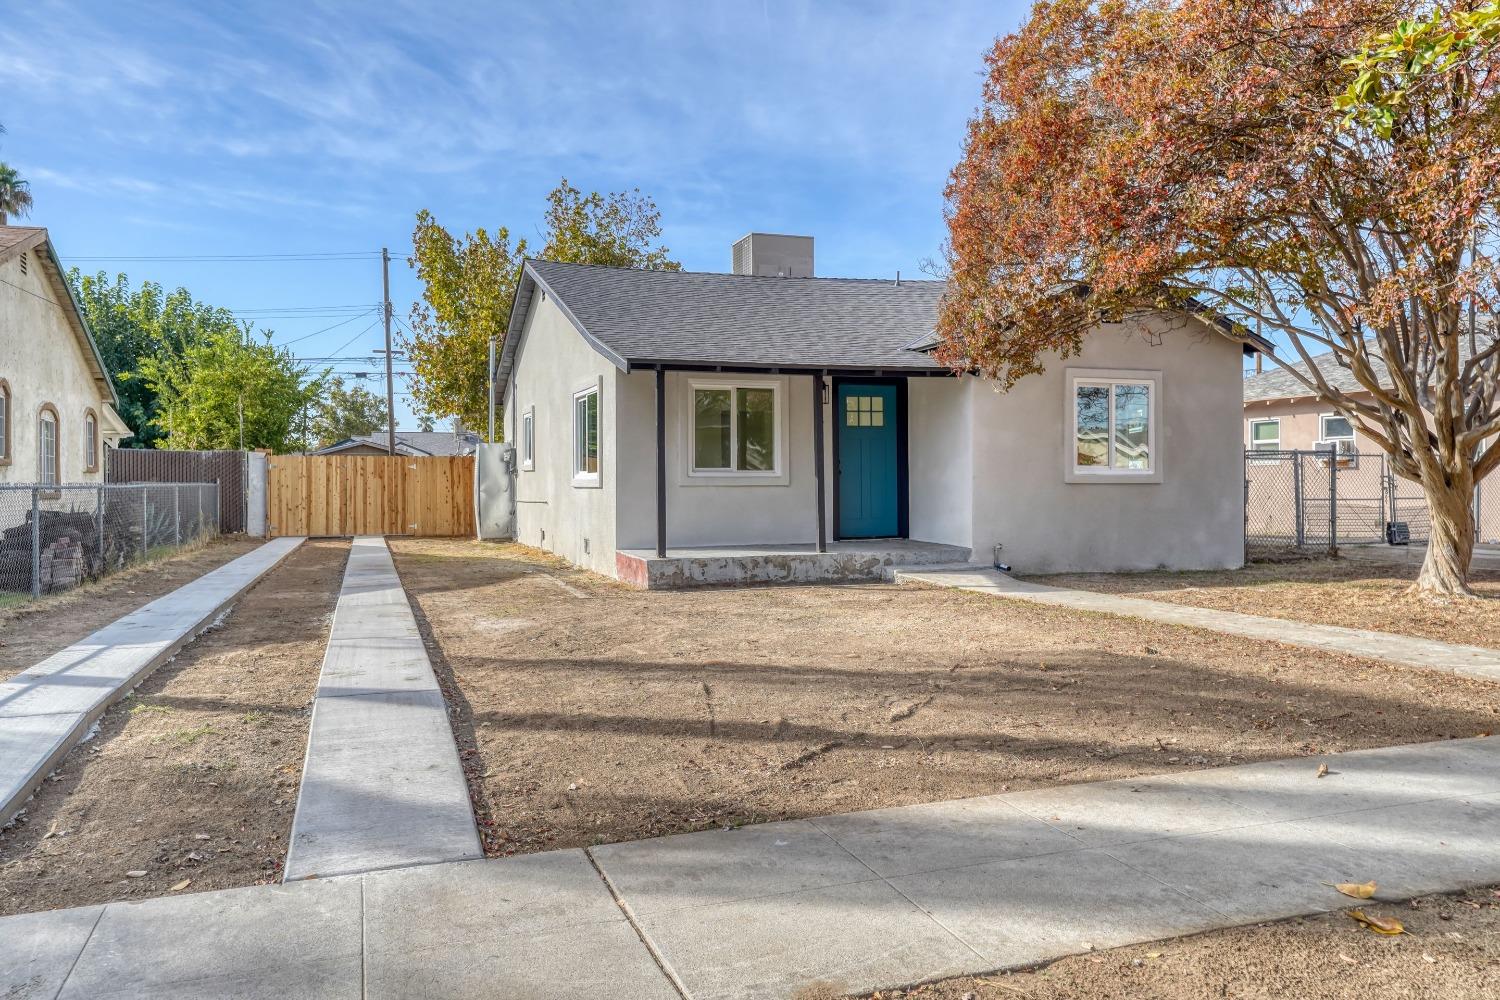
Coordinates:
<point>370,495</point>
<point>159,465</point>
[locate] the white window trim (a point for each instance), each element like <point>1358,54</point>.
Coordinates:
<point>1323,434</point>
<point>528,440</point>
<point>1073,473</point>
<point>1348,456</point>
<point>1250,441</point>
<point>588,480</point>
<point>688,475</point>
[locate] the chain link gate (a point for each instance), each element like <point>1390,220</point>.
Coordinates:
<point>1300,503</point>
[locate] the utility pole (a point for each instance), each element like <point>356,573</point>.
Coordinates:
<point>390,386</point>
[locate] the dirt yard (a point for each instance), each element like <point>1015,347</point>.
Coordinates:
<point>34,630</point>
<point>590,713</point>
<point>191,784</point>
<point>1351,592</point>
<point>1451,951</point>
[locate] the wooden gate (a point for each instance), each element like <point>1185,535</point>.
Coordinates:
<point>370,495</point>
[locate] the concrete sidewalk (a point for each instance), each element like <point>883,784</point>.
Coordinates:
<point>1472,661</point>
<point>46,709</point>
<point>861,901</point>
<point>382,786</point>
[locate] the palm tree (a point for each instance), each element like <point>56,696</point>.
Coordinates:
<point>15,194</point>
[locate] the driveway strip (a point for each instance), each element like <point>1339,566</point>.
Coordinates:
<point>47,709</point>
<point>856,902</point>
<point>382,786</point>
<point>1471,661</point>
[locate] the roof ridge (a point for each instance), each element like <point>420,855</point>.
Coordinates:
<point>729,274</point>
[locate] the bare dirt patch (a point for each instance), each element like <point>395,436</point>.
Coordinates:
<point>1348,592</point>
<point>1451,952</point>
<point>193,779</point>
<point>591,713</point>
<point>34,630</point>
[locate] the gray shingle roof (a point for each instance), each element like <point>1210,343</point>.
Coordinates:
<point>732,319</point>
<point>412,443</point>
<point>1277,383</point>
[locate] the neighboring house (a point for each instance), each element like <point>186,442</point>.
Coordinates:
<point>1281,414</point>
<point>57,401</point>
<point>407,443</point>
<point>700,410</point>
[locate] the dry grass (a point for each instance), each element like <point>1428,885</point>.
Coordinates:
<point>587,712</point>
<point>1354,593</point>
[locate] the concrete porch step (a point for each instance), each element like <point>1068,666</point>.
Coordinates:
<point>844,562</point>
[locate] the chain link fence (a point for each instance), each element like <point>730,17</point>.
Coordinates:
<point>1301,503</point>
<point>53,538</point>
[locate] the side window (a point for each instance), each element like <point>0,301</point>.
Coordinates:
<point>528,439</point>
<point>49,457</point>
<point>90,441</point>
<point>586,437</point>
<point>4,422</point>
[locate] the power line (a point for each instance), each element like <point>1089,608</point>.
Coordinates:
<point>325,329</point>
<point>332,255</point>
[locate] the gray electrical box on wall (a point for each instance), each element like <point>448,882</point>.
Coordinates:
<point>495,491</point>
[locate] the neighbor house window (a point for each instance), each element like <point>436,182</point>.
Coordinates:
<point>90,441</point>
<point>1265,435</point>
<point>49,460</point>
<point>4,422</point>
<point>1112,421</point>
<point>1335,432</point>
<point>528,439</point>
<point>734,429</point>
<point>586,436</point>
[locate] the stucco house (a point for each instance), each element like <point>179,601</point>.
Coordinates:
<point>679,427</point>
<point>1282,415</point>
<point>57,400</point>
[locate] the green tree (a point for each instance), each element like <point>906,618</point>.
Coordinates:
<point>346,412</point>
<point>15,194</point>
<point>131,324</point>
<point>468,285</point>
<point>425,423</point>
<point>224,390</point>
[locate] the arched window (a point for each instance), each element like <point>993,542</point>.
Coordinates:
<point>90,441</point>
<point>48,446</point>
<point>4,422</point>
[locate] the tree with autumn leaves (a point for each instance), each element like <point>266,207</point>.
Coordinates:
<point>1325,170</point>
<point>468,285</point>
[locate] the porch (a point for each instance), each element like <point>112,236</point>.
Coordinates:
<point>862,560</point>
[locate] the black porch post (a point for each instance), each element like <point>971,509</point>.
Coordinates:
<point>661,464</point>
<point>818,457</point>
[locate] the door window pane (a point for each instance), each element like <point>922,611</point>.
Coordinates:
<point>711,415</point>
<point>756,430</point>
<point>1092,443</point>
<point>1132,427</point>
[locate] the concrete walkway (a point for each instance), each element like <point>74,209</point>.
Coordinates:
<point>1472,661</point>
<point>46,709</point>
<point>861,901</point>
<point>381,786</point>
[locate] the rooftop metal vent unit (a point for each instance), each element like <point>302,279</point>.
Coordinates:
<point>774,256</point>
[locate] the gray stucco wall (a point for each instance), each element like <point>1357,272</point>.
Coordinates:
<point>552,363</point>
<point>940,450</point>
<point>715,511</point>
<point>42,360</point>
<point>1192,519</point>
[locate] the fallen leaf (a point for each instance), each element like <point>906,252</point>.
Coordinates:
<point>1322,770</point>
<point>1427,958</point>
<point>1380,925</point>
<point>181,885</point>
<point>136,873</point>
<point>1355,889</point>
<point>1346,958</point>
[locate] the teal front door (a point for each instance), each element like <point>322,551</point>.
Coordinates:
<point>868,461</point>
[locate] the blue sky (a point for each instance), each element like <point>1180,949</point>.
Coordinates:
<point>157,130</point>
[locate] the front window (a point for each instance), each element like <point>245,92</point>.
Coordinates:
<point>47,441</point>
<point>1114,427</point>
<point>1265,435</point>
<point>586,435</point>
<point>734,429</point>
